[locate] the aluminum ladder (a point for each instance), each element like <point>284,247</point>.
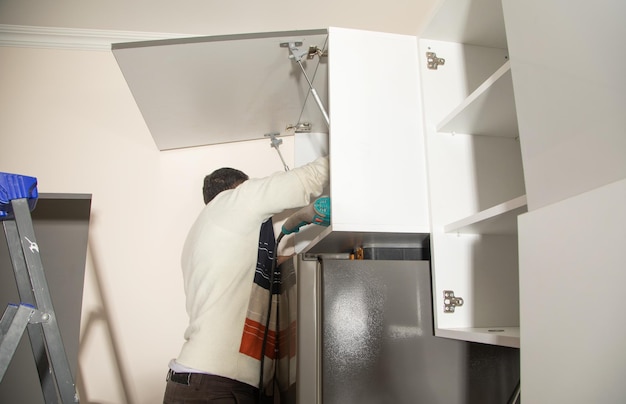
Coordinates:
<point>35,313</point>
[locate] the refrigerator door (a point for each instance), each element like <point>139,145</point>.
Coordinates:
<point>365,335</point>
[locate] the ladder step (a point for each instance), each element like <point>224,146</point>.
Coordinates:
<point>14,321</point>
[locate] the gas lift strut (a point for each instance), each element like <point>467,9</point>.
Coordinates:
<point>297,54</point>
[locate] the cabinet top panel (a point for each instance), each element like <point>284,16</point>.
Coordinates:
<point>472,22</point>
<point>208,90</point>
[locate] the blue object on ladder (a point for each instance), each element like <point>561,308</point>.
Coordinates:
<point>15,186</point>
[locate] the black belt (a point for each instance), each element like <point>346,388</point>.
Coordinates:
<point>214,380</point>
<point>180,378</point>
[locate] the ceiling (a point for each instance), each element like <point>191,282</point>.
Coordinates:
<point>210,17</point>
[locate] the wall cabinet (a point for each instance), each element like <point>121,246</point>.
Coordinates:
<point>463,125</point>
<point>413,151</point>
<point>377,166</point>
<point>475,172</point>
<point>243,87</point>
<point>566,168</point>
<point>390,115</point>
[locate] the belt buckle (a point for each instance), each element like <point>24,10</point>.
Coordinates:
<point>180,378</point>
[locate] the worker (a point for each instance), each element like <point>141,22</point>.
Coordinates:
<point>220,362</point>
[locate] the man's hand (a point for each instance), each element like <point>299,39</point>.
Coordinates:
<point>282,258</point>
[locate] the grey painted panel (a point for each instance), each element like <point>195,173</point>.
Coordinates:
<point>61,224</point>
<point>208,90</point>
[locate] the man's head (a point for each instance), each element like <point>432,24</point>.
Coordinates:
<point>221,180</point>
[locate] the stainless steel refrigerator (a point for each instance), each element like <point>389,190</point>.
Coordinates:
<point>361,331</point>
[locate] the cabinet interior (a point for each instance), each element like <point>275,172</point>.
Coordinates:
<point>476,178</point>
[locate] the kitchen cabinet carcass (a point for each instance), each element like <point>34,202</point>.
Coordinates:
<point>476,176</point>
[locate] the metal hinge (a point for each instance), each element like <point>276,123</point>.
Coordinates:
<point>450,302</point>
<point>433,61</point>
<point>313,50</point>
<point>302,127</point>
<point>316,51</point>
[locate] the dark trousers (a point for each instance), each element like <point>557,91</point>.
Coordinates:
<point>198,388</point>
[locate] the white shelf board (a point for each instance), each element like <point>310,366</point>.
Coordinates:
<point>331,240</point>
<point>503,336</point>
<point>499,219</point>
<point>489,110</point>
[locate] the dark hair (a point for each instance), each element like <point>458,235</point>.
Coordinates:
<point>221,180</point>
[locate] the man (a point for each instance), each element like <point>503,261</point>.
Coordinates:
<point>218,363</point>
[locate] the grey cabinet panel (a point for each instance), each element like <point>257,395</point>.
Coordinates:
<point>61,225</point>
<point>220,89</point>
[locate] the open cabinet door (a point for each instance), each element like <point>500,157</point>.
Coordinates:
<point>218,89</point>
<point>567,60</point>
<point>572,280</point>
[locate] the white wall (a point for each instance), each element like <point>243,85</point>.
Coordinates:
<point>68,118</point>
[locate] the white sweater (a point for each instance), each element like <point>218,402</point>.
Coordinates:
<point>218,262</point>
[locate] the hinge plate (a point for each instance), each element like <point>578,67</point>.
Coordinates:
<point>433,61</point>
<point>451,302</point>
<point>301,127</point>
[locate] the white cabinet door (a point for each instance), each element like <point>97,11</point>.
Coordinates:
<point>568,60</point>
<point>572,277</point>
<point>377,158</point>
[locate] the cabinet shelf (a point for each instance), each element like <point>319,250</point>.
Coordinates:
<point>499,219</point>
<point>489,110</point>
<point>503,336</point>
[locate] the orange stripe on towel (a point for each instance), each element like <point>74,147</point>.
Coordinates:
<point>252,340</point>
